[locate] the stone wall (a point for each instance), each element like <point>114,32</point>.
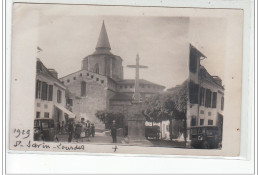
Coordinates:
<point>117,69</point>
<point>95,99</point>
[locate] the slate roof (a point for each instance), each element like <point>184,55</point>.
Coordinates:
<point>41,68</point>
<point>141,81</point>
<point>103,41</point>
<point>206,76</point>
<point>102,52</point>
<point>121,97</point>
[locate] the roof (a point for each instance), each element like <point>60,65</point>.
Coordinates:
<point>121,97</point>
<point>102,52</point>
<point>206,76</point>
<point>141,81</point>
<point>103,41</point>
<point>197,51</point>
<point>41,68</point>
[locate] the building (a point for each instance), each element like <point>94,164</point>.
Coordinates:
<point>206,94</point>
<point>100,84</point>
<point>50,99</point>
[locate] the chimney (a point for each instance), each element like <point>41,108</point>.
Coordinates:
<point>53,72</point>
<point>217,80</point>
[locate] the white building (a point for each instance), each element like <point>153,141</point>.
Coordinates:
<point>206,95</point>
<point>50,99</point>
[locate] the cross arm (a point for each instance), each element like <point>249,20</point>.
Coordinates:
<point>134,66</point>
<point>141,66</point>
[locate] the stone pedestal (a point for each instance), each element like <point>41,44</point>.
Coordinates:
<point>136,126</point>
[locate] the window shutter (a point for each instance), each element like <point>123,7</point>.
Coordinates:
<point>193,92</point>
<point>44,91</point>
<point>214,100</point>
<point>50,93</point>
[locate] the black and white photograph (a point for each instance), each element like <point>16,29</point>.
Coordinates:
<point>143,81</point>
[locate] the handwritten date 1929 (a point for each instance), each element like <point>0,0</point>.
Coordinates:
<point>22,133</point>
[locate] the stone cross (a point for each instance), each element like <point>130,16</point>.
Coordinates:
<point>137,95</point>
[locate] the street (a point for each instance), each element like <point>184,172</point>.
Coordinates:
<point>101,138</point>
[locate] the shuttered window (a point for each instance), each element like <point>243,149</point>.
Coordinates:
<point>50,93</point>
<point>193,92</point>
<point>222,103</point>
<point>38,89</point>
<point>208,98</point>
<point>59,94</point>
<point>214,100</point>
<point>202,96</point>
<point>44,91</point>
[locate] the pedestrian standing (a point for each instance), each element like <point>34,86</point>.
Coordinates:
<point>62,127</point>
<point>88,130</point>
<point>92,128</point>
<point>70,130</point>
<point>113,131</point>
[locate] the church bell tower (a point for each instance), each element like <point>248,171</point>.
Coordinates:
<point>102,61</point>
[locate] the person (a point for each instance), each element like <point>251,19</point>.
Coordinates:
<point>88,130</point>
<point>78,130</point>
<point>62,127</point>
<point>70,131</point>
<point>113,131</point>
<point>92,129</point>
<point>58,128</point>
<point>88,124</point>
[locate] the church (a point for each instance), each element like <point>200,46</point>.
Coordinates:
<point>100,84</point>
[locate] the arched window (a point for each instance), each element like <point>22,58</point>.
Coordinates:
<point>83,88</point>
<point>96,68</point>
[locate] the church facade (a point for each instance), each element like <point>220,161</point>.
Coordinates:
<point>100,84</point>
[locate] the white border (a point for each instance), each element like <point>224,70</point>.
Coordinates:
<point>44,163</point>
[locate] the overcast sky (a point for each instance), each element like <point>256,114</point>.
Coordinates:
<point>162,42</point>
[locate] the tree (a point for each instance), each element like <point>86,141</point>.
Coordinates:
<point>107,118</point>
<point>168,105</point>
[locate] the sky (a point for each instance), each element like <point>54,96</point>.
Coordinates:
<point>162,42</point>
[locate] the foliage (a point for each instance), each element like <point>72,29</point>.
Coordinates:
<point>167,105</point>
<point>107,117</point>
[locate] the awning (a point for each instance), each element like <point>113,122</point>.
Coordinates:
<point>70,114</point>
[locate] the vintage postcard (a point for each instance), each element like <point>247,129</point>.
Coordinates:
<point>126,80</point>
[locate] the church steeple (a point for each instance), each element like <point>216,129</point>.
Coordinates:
<point>103,42</point>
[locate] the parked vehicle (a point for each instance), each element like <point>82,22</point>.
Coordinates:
<point>152,132</point>
<point>206,137</point>
<point>44,130</point>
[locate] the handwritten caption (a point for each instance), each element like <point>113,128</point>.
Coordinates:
<point>22,136</point>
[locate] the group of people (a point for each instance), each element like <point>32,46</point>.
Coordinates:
<point>85,130</point>
<point>81,130</point>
